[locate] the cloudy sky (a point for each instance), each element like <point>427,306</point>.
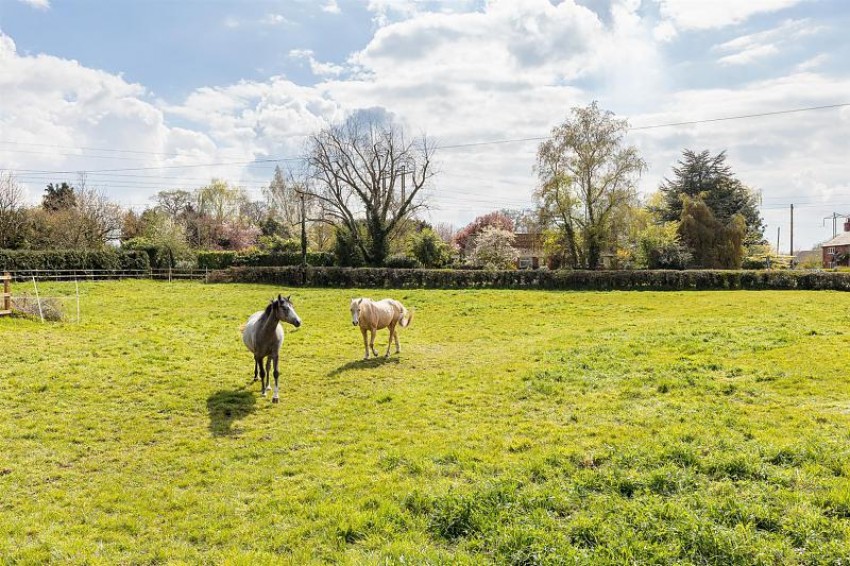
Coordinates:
<point>146,95</point>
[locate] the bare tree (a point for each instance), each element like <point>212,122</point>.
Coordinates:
<point>283,199</point>
<point>367,179</point>
<point>12,211</point>
<point>446,231</point>
<point>174,202</point>
<point>100,219</point>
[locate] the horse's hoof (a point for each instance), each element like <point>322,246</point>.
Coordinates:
<point>275,400</point>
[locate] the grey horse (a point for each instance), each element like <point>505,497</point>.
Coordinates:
<point>263,335</point>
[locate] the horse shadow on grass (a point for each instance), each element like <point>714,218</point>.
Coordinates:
<point>363,364</point>
<point>226,407</point>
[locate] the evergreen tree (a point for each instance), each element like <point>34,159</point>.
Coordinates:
<point>710,179</point>
<point>713,243</point>
<point>58,197</point>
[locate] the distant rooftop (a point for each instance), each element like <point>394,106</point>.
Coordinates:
<point>843,239</point>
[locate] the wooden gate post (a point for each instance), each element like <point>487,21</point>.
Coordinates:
<point>7,294</point>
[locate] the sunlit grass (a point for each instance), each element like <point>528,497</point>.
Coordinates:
<point>524,427</point>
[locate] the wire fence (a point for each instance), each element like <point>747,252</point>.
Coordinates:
<point>101,274</point>
<point>28,301</point>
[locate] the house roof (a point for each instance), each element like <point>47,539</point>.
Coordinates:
<point>843,239</point>
<point>528,241</point>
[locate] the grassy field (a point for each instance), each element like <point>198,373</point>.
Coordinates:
<point>516,427</point>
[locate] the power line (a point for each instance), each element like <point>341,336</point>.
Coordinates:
<point>745,116</point>
<point>664,125</point>
<point>114,150</point>
<point>248,163</point>
<point>451,146</point>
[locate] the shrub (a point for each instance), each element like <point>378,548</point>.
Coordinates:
<point>66,260</point>
<point>215,259</point>
<point>562,279</point>
<point>346,251</point>
<point>401,261</point>
<point>430,249</point>
<point>224,259</point>
<point>276,244</point>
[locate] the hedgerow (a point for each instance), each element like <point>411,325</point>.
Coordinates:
<point>225,259</point>
<point>25,260</point>
<point>660,280</point>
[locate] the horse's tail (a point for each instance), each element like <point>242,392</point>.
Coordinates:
<point>406,317</point>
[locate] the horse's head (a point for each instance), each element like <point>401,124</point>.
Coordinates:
<point>284,311</point>
<point>355,311</point>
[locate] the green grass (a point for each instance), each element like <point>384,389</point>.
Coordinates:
<point>516,427</point>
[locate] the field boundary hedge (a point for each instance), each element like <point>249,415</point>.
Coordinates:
<point>65,260</point>
<point>224,259</point>
<point>657,280</point>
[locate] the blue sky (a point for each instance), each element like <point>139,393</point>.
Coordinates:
<point>167,87</point>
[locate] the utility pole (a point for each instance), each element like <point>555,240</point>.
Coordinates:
<point>303,232</point>
<point>792,235</point>
<point>777,240</point>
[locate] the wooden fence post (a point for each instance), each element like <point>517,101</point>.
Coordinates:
<point>7,294</point>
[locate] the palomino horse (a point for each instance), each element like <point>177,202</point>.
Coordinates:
<point>263,336</point>
<point>374,315</point>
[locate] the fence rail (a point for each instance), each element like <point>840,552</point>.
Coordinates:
<point>98,274</point>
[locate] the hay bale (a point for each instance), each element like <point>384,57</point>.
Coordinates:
<point>26,305</point>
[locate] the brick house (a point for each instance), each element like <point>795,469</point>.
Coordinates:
<point>529,249</point>
<point>836,252</point>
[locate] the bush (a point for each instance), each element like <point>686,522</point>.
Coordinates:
<point>159,256</point>
<point>276,244</point>
<point>666,280</point>
<point>431,251</point>
<point>347,253</point>
<point>401,261</point>
<point>221,260</point>
<point>215,259</point>
<point>67,260</point>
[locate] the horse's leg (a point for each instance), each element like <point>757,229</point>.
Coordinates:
<point>374,331</point>
<point>262,376</point>
<point>256,368</point>
<point>268,374</point>
<point>390,343</point>
<point>365,343</point>
<point>397,347</point>
<point>275,397</point>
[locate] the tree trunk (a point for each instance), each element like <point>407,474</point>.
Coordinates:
<point>378,245</point>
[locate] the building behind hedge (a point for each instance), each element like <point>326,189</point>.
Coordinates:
<point>836,252</point>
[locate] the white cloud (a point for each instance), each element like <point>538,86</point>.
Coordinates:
<point>275,20</point>
<point>52,107</point>
<point>269,20</point>
<point>813,63</point>
<point>318,68</point>
<point>508,70</point>
<point>38,4</point>
<point>331,7</point>
<point>752,47</point>
<point>664,32</point>
<point>707,14</point>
